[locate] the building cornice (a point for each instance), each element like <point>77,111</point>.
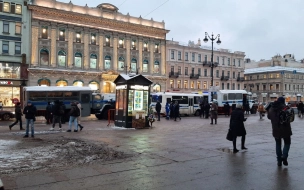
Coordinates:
<point>83,20</point>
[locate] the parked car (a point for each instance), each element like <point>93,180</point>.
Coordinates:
<point>6,115</point>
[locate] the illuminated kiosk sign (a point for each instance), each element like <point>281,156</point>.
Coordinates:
<point>132,101</point>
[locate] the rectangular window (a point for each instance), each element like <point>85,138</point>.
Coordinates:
<point>239,87</point>
<point>17,47</point>
<point>6,7</point>
<point>205,85</point>
<point>78,37</point>
<point>171,84</point>
<point>233,86</point>
<point>156,48</point>
<point>205,72</point>
<point>258,87</point>
<point>5,46</point>
<point>206,57</point>
<point>199,58</point>
<point>264,87</point>
<point>186,56</point>
<point>278,87</point>
<point>18,28</point>
<point>277,75</point>
<point>172,69</point>
<point>258,77</point>
<point>193,57</point>
<point>5,27</point>
<point>198,84</point>
<point>44,34</point>
<point>223,86</point>
<point>179,55</point>
<point>239,74</point>
<point>18,9</point>
<point>228,86</point>
<point>228,61</point>
<point>179,70</point>
<point>199,71</point>
<point>186,70</point>
<point>223,73</point>
<point>145,46</point>
<point>264,76</point>
<point>233,62</point>
<point>172,54</point>
<point>179,84</point>
<point>133,45</point>
<point>228,74</point>
<point>13,8</point>
<point>62,35</point>
<point>217,73</point>
<point>239,61</point>
<point>93,39</point>
<point>233,76</point>
<point>217,83</point>
<point>192,84</point>
<point>223,61</point>
<point>192,71</point>
<point>185,84</point>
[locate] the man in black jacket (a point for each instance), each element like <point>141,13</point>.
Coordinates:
<point>18,115</point>
<point>56,114</point>
<point>158,108</point>
<point>30,112</point>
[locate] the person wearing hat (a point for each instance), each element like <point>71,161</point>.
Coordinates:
<point>237,126</point>
<point>18,115</point>
<point>30,112</point>
<point>280,131</point>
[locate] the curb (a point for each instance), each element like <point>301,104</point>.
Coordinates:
<point>1,185</point>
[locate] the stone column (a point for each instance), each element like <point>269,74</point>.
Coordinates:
<point>101,56</point>
<point>86,54</point>
<point>35,32</point>
<point>140,52</point>
<point>151,61</point>
<point>70,55</point>
<point>128,54</point>
<point>53,46</point>
<point>115,52</point>
<point>163,58</point>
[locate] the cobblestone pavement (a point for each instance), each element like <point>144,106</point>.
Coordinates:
<point>187,154</point>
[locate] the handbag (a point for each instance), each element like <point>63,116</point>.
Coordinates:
<point>229,136</point>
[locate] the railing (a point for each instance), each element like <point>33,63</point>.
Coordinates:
<point>173,74</point>
<point>194,76</point>
<point>240,79</point>
<point>225,78</point>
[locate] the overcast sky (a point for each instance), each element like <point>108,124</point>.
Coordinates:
<point>260,28</point>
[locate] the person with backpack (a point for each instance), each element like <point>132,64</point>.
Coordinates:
<point>57,113</point>
<point>281,129</point>
<point>79,117</point>
<point>74,113</point>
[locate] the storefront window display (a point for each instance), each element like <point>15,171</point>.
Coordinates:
<point>10,70</point>
<point>61,83</point>
<point>9,95</point>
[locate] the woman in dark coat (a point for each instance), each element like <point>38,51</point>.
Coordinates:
<point>237,126</point>
<point>176,111</point>
<point>18,116</point>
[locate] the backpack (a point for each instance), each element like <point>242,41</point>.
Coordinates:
<point>76,112</point>
<point>286,115</point>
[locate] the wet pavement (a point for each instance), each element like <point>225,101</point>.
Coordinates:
<point>188,154</point>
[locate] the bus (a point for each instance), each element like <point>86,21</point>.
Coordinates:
<point>41,95</point>
<point>233,97</point>
<point>189,103</point>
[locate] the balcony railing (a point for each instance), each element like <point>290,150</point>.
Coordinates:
<point>225,78</point>
<point>194,76</point>
<point>173,74</point>
<point>208,63</point>
<point>241,79</point>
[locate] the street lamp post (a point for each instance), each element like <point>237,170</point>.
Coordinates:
<point>212,38</point>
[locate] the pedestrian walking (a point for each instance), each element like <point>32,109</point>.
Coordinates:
<point>176,111</point>
<point>280,130</point>
<point>57,113</point>
<point>261,110</point>
<point>29,112</point>
<point>247,108</point>
<point>74,113</point>
<point>168,111</point>
<point>18,116</point>
<point>237,126</point>
<point>172,109</point>
<point>214,112</point>
<point>227,109</point>
<point>79,117</point>
<point>158,108</point>
<point>49,115</point>
<point>202,111</point>
<point>63,115</point>
<point>207,109</point>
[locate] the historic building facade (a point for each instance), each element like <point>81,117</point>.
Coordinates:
<point>83,46</point>
<point>270,79</point>
<point>14,46</point>
<point>188,68</point>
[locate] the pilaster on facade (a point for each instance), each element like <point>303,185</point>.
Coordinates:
<point>70,49</point>
<point>35,32</point>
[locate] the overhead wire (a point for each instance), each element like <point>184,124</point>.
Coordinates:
<point>122,3</point>
<point>156,8</point>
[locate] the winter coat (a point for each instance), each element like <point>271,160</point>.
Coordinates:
<point>226,107</point>
<point>213,109</point>
<point>176,109</point>
<point>278,130</point>
<point>30,112</point>
<point>79,106</point>
<point>18,112</point>
<point>158,107</point>
<point>237,122</point>
<point>56,108</point>
<point>73,110</point>
<point>167,107</point>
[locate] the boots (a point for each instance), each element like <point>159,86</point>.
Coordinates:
<point>243,143</point>
<point>234,145</point>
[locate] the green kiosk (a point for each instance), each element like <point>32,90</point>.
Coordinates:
<point>132,101</point>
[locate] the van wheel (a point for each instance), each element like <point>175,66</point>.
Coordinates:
<point>196,113</point>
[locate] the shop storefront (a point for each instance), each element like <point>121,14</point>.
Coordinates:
<point>9,92</point>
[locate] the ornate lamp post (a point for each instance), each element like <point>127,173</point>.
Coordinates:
<point>212,38</point>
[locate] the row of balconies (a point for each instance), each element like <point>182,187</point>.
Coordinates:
<point>196,76</point>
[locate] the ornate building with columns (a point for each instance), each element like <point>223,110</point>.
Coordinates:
<point>84,46</point>
<point>188,67</point>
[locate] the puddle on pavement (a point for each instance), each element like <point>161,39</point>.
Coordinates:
<point>226,150</point>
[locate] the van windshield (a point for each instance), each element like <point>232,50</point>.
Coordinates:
<point>156,98</point>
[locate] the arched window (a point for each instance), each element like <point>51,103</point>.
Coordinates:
<point>145,66</point>
<point>61,58</point>
<point>107,62</point>
<point>156,88</point>
<point>44,82</point>
<point>44,57</point>
<point>156,67</point>
<point>61,82</point>
<point>78,83</point>
<point>133,65</point>
<point>78,59</point>
<point>94,85</point>
<point>121,63</point>
<point>93,61</point>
